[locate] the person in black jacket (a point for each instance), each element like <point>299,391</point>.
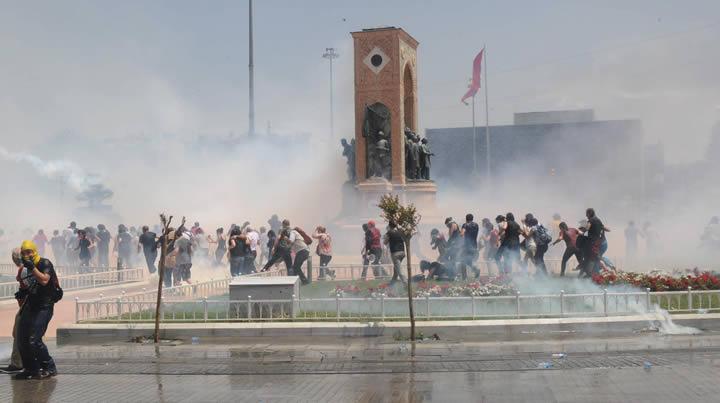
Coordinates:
<point>36,312</point>
<point>509,249</point>
<point>396,243</point>
<point>149,243</point>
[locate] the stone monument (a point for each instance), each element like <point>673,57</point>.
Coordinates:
<point>386,106</point>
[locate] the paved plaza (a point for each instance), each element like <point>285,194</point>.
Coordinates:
<point>647,367</point>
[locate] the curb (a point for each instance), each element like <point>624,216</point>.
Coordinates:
<point>478,330</point>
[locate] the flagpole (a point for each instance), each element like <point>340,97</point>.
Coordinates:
<point>487,119</point>
<point>475,164</point>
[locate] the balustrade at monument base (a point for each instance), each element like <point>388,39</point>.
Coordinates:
<point>70,282</point>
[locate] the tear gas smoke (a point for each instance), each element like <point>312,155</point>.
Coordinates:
<point>65,171</point>
<point>666,326</point>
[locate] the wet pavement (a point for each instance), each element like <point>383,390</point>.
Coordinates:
<point>641,368</point>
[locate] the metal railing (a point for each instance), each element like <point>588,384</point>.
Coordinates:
<point>8,269</point>
<point>354,271</point>
<point>85,281</point>
<point>103,306</point>
<point>383,308</point>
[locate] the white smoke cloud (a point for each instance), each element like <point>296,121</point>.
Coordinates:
<point>68,172</point>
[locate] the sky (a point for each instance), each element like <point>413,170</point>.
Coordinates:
<point>110,69</point>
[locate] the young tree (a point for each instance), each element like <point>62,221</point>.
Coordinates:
<point>165,221</point>
<point>407,220</point>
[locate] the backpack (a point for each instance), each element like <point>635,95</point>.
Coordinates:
<point>542,236</point>
<point>306,238</point>
<point>57,290</point>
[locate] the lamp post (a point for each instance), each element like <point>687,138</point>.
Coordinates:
<point>251,68</point>
<point>331,55</point>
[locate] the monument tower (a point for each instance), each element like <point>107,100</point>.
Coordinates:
<point>386,107</point>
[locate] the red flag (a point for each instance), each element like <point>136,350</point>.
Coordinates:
<point>475,85</point>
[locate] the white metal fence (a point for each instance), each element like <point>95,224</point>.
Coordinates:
<point>84,281</point>
<point>381,308</point>
<point>8,269</point>
<point>104,307</point>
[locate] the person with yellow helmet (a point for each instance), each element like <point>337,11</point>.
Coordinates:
<point>37,310</point>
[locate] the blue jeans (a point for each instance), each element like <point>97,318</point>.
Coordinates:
<point>168,275</point>
<point>150,257</point>
<point>249,264</point>
<point>31,329</point>
<point>237,264</point>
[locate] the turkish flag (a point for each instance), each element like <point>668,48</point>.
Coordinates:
<point>475,85</point>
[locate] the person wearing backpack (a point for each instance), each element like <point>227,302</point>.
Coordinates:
<point>542,238</point>
<point>299,242</point>
<point>37,310</point>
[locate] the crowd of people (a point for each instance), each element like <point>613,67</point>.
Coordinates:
<point>504,244</point>
<point>512,246</point>
<point>89,246</point>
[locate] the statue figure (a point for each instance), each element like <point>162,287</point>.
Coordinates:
<point>425,159</point>
<point>408,154</point>
<point>415,159</point>
<point>376,131</point>
<point>349,153</point>
<point>384,160</point>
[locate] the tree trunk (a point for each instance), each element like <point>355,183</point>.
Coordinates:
<point>161,274</point>
<point>409,291</point>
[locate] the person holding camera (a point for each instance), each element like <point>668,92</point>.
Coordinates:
<point>35,314</point>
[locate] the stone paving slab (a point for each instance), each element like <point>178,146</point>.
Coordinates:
<point>662,384</point>
<point>683,368</point>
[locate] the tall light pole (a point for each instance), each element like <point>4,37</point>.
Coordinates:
<point>251,112</point>
<point>331,55</point>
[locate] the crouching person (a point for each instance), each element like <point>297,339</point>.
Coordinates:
<point>37,310</point>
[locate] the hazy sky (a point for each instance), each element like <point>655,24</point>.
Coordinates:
<point>118,68</point>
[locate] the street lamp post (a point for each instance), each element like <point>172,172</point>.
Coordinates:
<point>251,67</point>
<point>331,55</point>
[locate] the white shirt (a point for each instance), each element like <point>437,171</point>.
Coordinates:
<point>297,243</point>
<point>254,237</point>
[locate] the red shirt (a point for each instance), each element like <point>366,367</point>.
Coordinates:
<point>570,237</point>
<point>376,238</point>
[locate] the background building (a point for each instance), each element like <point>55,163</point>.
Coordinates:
<point>557,151</point>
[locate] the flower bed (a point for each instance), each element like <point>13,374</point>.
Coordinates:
<point>482,287</point>
<point>660,282</point>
